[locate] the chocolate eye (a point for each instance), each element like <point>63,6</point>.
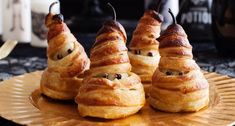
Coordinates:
<point>150,54</point>
<point>169,73</point>
<point>118,76</point>
<point>69,51</point>
<point>180,73</point>
<point>137,52</point>
<point>59,56</point>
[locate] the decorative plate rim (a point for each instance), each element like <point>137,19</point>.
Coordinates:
<point>15,104</point>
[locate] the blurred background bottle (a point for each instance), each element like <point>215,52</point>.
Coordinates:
<point>223,24</point>
<point>17,20</point>
<point>195,17</point>
<point>39,9</point>
<point>1,19</point>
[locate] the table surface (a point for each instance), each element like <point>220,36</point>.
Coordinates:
<point>205,55</point>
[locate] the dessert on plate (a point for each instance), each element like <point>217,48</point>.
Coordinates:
<point>178,83</point>
<point>144,55</point>
<point>110,90</point>
<point>66,58</point>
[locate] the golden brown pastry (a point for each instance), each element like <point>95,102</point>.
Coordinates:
<point>66,60</point>
<point>109,89</point>
<point>178,84</point>
<point>144,55</point>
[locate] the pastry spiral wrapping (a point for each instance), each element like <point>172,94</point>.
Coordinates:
<point>109,89</point>
<point>178,83</point>
<point>144,55</point>
<point>67,61</point>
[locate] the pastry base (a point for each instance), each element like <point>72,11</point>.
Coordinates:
<point>59,95</point>
<point>22,102</point>
<point>190,107</point>
<point>107,112</point>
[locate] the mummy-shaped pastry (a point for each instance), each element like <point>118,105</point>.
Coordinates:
<point>177,84</point>
<point>109,89</point>
<point>144,55</point>
<point>66,60</point>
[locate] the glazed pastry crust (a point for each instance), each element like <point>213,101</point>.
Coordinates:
<point>71,65</point>
<point>144,39</point>
<point>116,99</point>
<point>104,97</point>
<point>61,88</point>
<point>107,112</point>
<point>178,84</point>
<point>144,66</point>
<point>179,102</point>
<point>67,61</point>
<point>101,91</point>
<point>147,30</point>
<point>187,93</point>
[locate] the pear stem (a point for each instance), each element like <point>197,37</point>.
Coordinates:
<point>158,5</point>
<point>173,17</point>
<point>50,8</point>
<point>114,11</point>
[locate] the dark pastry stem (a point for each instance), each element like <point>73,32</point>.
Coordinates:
<point>158,5</point>
<point>173,17</point>
<point>114,11</point>
<point>50,8</point>
<point>58,17</point>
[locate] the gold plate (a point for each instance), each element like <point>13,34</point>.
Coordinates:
<point>22,102</point>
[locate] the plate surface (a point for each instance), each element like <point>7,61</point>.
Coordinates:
<point>22,102</point>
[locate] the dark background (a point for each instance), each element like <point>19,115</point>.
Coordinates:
<point>126,9</point>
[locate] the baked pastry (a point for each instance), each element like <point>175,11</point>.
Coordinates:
<point>109,89</point>
<point>144,55</point>
<point>178,83</point>
<point>67,60</point>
